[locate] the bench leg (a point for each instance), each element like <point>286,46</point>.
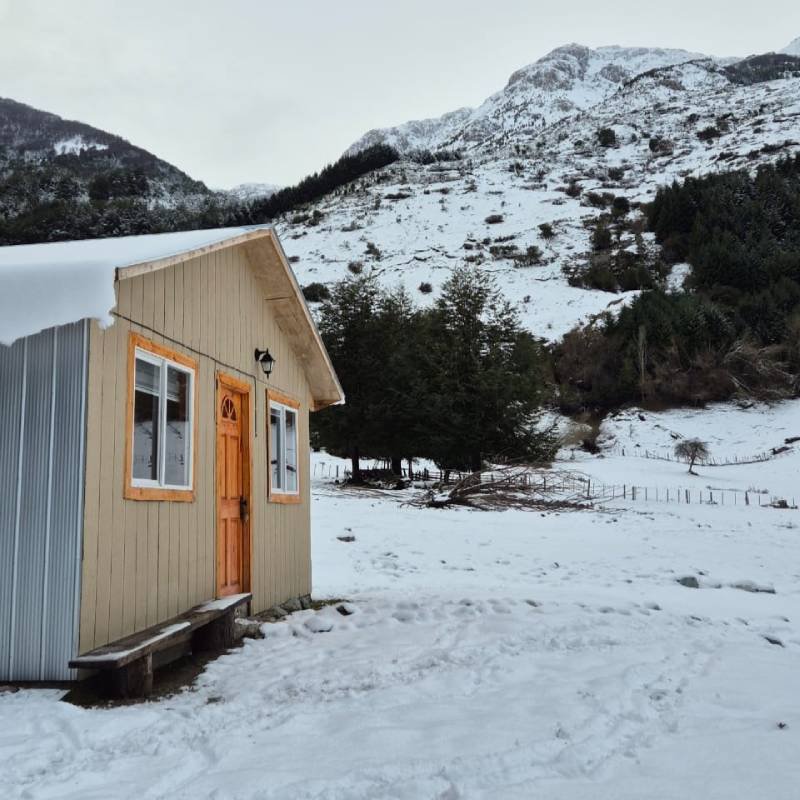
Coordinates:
<point>216,635</point>
<point>134,679</point>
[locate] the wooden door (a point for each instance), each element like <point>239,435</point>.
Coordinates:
<point>233,487</point>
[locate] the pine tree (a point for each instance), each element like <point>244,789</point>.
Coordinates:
<point>484,376</point>
<point>347,326</point>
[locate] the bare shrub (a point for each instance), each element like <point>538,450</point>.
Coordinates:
<point>691,450</point>
<point>546,230</point>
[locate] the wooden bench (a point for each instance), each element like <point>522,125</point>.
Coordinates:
<point>129,661</point>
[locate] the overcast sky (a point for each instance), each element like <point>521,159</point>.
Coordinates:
<point>243,90</point>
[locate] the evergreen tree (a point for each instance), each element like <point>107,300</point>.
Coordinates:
<point>485,381</point>
<point>375,339</point>
<point>347,324</point>
<point>454,383</point>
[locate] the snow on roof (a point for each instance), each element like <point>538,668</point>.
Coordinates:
<point>44,285</point>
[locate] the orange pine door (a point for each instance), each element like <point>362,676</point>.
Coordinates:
<point>232,492</point>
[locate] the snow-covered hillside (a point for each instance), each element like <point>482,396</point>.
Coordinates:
<point>793,48</point>
<point>45,159</point>
<point>252,191</point>
<point>412,222</point>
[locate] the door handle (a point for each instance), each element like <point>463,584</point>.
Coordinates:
<point>244,511</point>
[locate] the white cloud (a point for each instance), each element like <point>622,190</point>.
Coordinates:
<point>256,91</point>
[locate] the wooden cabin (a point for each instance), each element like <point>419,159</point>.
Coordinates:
<point>154,440</point>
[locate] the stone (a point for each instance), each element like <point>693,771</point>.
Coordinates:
<point>248,629</point>
<point>292,604</point>
<point>305,601</point>
<point>689,581</point>
<point>755,588</point>
<point>318,624</point>
<point>277,612</point>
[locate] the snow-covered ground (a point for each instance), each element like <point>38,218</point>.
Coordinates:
<point>489,655</point>
<point>732,434</point>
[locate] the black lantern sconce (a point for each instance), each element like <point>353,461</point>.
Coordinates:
<point>266,360</point>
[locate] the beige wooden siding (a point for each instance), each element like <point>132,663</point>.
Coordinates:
<point>145,561</point>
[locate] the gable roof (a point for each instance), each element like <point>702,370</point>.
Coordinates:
<point>45,285</point>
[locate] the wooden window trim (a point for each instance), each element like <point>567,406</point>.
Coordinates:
<point>284,399</point>
<point>147,493</point>
<point>283,498</point>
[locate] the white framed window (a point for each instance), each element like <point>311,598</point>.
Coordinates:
<point>284,476</point>
<point>161,417</point>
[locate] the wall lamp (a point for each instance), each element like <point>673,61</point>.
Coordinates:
<point>266,360</point>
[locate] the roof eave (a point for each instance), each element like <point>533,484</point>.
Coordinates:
<point>323,381</point>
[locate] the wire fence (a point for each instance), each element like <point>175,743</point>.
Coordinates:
<point>667,455</point>
<point>378,470</point>
<point>583,487</point>
<point>680,495</point>
<point>597,491</point>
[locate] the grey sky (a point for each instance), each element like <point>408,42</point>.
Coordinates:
<point>267,91</point>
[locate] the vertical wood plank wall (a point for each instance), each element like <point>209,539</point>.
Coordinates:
<point>145,561</point>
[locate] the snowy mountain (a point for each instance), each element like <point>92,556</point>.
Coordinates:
<point>793,48</point>
<point>569,79</point>
<point>44,157</point>
<point>531,156</point>
<point>252,191</point>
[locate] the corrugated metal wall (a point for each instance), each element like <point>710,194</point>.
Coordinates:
<point>42,435</point>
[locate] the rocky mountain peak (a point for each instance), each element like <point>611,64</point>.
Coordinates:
<point>570,78</point>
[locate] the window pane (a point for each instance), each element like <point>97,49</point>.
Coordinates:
<point>275,448</point>
<point>291,450</point>
<point>178,435</point>
<point>146,421</point>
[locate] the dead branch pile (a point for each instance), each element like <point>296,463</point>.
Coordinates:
<point>760,372</point>
<point>515,486</point>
